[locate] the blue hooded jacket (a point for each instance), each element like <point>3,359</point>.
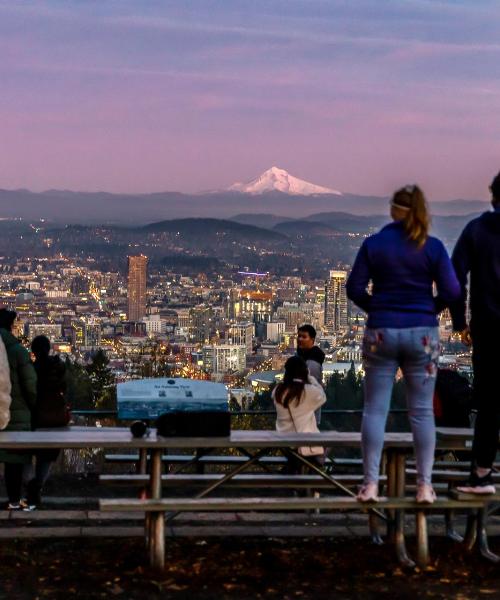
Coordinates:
<point>403,277</point>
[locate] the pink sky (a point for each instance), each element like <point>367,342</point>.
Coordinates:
<point>139,97</point>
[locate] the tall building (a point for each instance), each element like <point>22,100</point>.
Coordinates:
<point>241,334</point>
<point>86,333</point>
<point>275,331</point>
<point>201,323</point>
<point>336,308</point>
<point>221,359</point>
<point>137,266</point>
<point>92,338</point>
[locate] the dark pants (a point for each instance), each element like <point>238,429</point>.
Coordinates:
<point>486,362</point>
<point>43,463</point>
<point>13,474</point>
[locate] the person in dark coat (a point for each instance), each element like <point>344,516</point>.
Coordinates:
<point>50,410</point>
<point>476,257</point>
<point>23,380</point>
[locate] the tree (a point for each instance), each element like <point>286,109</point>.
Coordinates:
<point>79,387</point>
<point>103,381</point>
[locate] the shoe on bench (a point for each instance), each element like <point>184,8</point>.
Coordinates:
<point>425,494</point>
<point>368,493</point>
<point>478,485</point>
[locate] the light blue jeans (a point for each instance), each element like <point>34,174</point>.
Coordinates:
<point>416,351</point>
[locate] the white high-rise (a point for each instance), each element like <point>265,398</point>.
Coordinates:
<point>241,334</point>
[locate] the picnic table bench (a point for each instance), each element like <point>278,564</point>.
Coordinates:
<point>256,445</point>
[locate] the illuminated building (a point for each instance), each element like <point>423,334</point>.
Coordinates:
<point>137,266</point>
<point>336,307</point>
<point>241,334</point>
<point>220,359</point>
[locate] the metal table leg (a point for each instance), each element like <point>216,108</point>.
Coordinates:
<point>400,542</point>
<point>451,532</point>
<point>142,469</point>
<point>143,461</point>
<point>373,524</point>
<point>483,536</point>
<point>157,519</point>
<point>391,458</point>
<point>314,467</point>
<point>471,530</point>
<point>255,458</point>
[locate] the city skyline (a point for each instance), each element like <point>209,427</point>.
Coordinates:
<point>357,97</point>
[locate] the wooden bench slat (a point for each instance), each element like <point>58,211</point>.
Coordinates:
<point>208,459</point>
<point>244,480</point>
<point>242,504</point>
<point>445,475</point>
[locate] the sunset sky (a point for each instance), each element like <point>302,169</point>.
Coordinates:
<point>190,95</point>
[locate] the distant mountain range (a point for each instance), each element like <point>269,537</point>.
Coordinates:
<point>275,192</point>
<point>101,207</point>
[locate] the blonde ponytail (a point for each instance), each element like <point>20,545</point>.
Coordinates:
<point>416,221</point>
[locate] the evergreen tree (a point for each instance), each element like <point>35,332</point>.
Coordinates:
<point>103,381</point>
<point>79,387</point>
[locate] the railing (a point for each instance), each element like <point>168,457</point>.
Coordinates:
<point>330,411</point>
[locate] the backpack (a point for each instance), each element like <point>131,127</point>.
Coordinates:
<point>52,409</point>
<point>452,399</point>
<point>5,387</point>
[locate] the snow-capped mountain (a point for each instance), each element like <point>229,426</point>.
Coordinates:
<point>275,179</point>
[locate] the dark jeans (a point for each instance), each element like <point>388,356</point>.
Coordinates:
<point>43,463</point>
<point>13,474</point>
<point>486,362</point>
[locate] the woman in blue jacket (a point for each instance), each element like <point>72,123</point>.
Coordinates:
<point>403,264</point>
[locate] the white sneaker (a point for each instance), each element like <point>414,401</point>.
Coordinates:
<point>478,485</point>
<point>368,493</point>
<point>425,494</point>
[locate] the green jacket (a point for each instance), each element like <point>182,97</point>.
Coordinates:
<point>23,380</point>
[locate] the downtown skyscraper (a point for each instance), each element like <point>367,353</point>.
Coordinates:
<point>336,307</point>
<point>137,273</point>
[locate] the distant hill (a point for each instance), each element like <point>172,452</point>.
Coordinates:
<point>264,220</point>
<point>211,227</point>
<point>349,223</point>
<point>306,228</point>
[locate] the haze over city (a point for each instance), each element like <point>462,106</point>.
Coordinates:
<point>172,96</point>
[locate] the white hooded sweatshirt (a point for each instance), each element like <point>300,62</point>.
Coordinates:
<point>301,418</point>
<point>5,387</point>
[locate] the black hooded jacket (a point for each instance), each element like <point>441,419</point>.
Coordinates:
<point>478,252</point>
<point>50,409</point>
<point>314,357</point>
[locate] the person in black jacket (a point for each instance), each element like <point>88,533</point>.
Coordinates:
<point>477,253</point>
<point>313,356</point>
<point>23,394</point>
<point>50,410</point>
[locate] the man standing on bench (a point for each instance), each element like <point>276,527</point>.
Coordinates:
<point>478,253</point>
<point>312,355</point>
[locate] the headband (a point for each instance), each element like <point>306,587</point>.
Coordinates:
<point>400,206</point>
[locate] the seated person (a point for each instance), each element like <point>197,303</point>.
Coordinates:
<point>296,399</point>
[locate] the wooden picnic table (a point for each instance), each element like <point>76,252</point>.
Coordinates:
<point>254,444</point>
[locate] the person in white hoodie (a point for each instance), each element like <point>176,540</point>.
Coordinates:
<point>296,399</point>
<point>5,387</point>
